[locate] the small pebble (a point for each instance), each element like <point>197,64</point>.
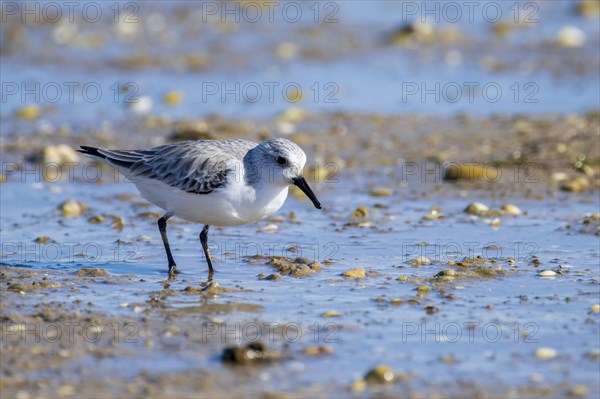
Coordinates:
<point>360,212</point>
<point>547,273</point>
<point>593,355</point>
<point>318,350</point>
<point>72,208</point>
<point>358,386</point>
<point>381,192</point>
<point>96,219</point>
<point>118,223</point>
<point>477,208</point>
<point>588,8</point>
<point>423,289</point>
<point>28,112</point>
<point>545,353</point>
<point>510,209</point>
<point>331,313</point>
<point>380,374</point>
<point>570,36</point>
<point>59,154</point>
<point>270,228</point>
<point>579,391</point>
<point>141,105</point>
<point>595,308</point>
<point>173,98</point>
<point>355,273</point>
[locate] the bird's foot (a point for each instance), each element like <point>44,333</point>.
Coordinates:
<point>173,271</point>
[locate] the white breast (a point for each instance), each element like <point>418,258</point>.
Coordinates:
<point>233,205</point>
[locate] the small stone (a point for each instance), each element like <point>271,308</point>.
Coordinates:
<point>65,390</point>
<point>477,208</point>
<point>447,359</point>
<point>421,260</point>
<point>43,240</point>
<point>431,309</point>
<point>331,313</point>
<point>118,223</point>
<point>191,130</point>
<point>446,273</point>
<point>381,192</point>
<point>273,277</point>
<point>293,115</point>
<point>141,105</point>
<point>252,353</point>
<point>355,273</point>
<point>137,309</point>
<point>595,308</point>
<point>588,8</point>
<point>360,212</point>
<point>570,36</point>
<point>380,374</point>
<point>547,273</point>
<point>270,228</point>
<point>578,391</point>
<point>72,208</point>
<point>173,98</point>
<point>423,289</point>
<point>287,51</point>
<point>503,28</point>
<point>28,112</point>
<point>510,209</point>
<point>358,385</point>
<point>59,154</point>
<point>464,171</point>
<point>96,219</point>
<point>92,272</point>
<point>495,223</point>
<point>545,353</point>
<point>318,350</point>
<point>16,287</point>
<point>593,355</point>
<point>576,185</point>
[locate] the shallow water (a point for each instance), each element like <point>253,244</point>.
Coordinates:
<point>343,64</point>
<point>554,312</point>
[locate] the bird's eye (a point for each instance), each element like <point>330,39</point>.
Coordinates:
<point>281,160</point>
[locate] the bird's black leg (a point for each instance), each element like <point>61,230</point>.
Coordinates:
<point>204,242</point>
<point>162,227</point>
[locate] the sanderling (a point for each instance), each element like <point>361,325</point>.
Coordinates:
<point>212,182</point>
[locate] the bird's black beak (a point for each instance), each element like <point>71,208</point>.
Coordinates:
<point>303,185</point>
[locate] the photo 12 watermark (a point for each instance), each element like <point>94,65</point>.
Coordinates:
<point>46,250</point>
<point>250,12</point>
<point>454,251</point>
<point>93,172</point>
<point>61,332</point>
<point>451,12</point>
<point>54,12</point>
<point>453,92</point>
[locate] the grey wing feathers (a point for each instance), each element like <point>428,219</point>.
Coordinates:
<point>198,167</point>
